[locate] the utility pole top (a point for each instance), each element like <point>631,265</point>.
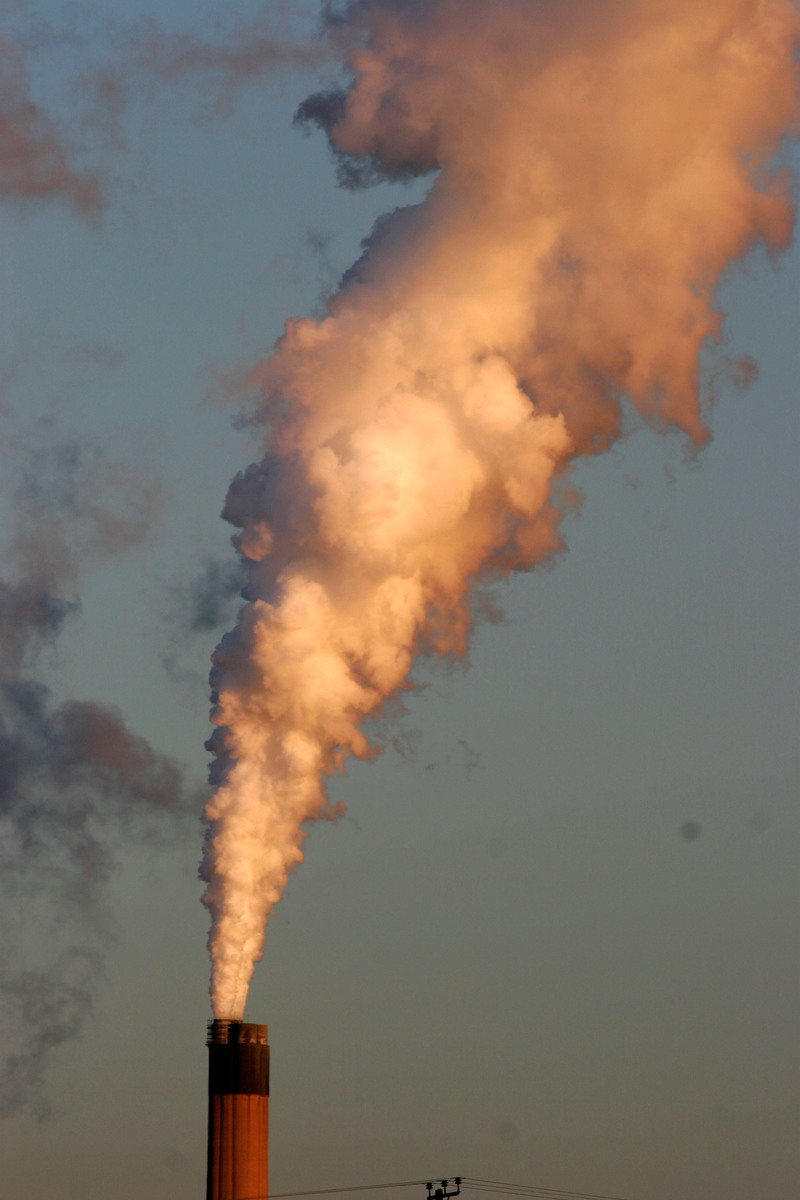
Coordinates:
<point>441,1193</point>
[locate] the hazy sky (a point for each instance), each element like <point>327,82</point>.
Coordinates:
<point>555,938</point>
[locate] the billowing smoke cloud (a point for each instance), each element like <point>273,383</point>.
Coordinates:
<point>598,166</point>
<point>75,782</point>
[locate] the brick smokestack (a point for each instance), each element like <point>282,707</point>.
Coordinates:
<point>238,1111</point>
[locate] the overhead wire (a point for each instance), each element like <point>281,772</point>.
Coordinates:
<point>362,1187</point>
<point>491,1186</point>
<point>523,1189</point>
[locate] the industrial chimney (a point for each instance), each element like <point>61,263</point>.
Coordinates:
<point>238,1111</point>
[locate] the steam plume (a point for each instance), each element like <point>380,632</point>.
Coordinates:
<point>599,166</point>
<point>74,780</point>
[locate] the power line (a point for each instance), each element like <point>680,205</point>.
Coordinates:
<point>524,1189</point>
<point>363,1187</point>
<point>492,1186</point>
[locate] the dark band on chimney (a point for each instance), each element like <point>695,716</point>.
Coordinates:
<point>238,1059</point>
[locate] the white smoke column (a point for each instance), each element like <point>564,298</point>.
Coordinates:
<point>600,164</point>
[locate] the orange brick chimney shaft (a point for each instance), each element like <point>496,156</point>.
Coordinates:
<point>238,1111</point>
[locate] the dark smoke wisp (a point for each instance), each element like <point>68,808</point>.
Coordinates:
<point>105,73</point>
<point>76,784</point>
<point>35,163</point>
